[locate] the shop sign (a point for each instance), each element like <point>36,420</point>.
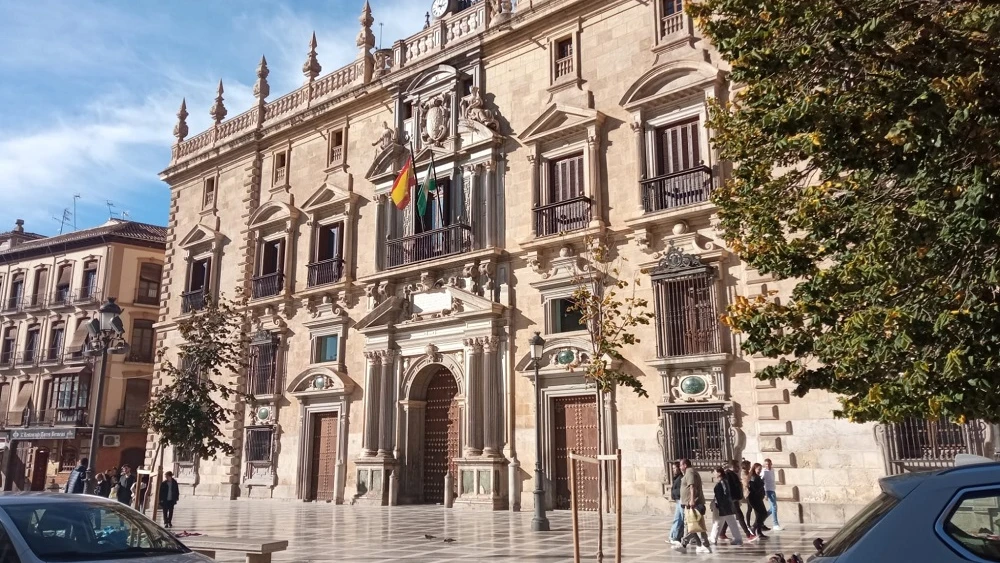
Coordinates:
<point>43,434</point>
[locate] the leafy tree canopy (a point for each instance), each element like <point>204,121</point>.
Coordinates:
<point>867,144</point>
<point>185,412</point>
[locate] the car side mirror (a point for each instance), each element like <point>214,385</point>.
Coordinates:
<point>818,544</point>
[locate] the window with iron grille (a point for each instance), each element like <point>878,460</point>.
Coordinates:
<point>68,459</point>
<point>263,363</point>
<point>686,310</point>
<point>183,455</point>
<point>915,443</point>
<point>259,444</point>
<point>700,434</point>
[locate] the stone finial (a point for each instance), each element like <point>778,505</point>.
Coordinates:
<point>181,129</point>
<point>261,89</point>
<point>366,39</point>
<point>311,68</point>
<point>218,111</point>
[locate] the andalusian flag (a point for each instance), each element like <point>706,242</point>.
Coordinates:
<point>429,184</point>
<point>403,184</point>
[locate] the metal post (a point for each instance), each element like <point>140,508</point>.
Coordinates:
<point>539,523</point>
<point>95,428</point>
<point>618,506</point>
<point>573,507</point>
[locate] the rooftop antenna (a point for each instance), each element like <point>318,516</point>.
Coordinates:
<point>63,220</point>
<point>111,213</point>
<point>75,197</point>
<point>125,215</point>
<point>379,36</point>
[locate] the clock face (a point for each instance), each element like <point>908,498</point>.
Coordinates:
<point>439,8</point>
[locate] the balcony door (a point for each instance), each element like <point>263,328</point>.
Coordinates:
<point>270,268</point>
<point>16,292</point>
<point>438,214</point>
<point>136,399</point>
<point>41,284</point>
<point>327,264</point>
<point>677,147</point>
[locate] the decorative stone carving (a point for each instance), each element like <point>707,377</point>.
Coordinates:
<point>261,89</point>
<point>486,276</point>
<point>696,386</point>
<point>218,111</point>
<point>473,110</point>
<point>676,260</point>
<point>366,39</point>
<point>680,228</point>
<point>387,139</point>
<point>311,68</point>
<point>383,62</point>
<point>432,352</point>
<point>566,265</point>
<point>435,119</point>
<point>181,129</point>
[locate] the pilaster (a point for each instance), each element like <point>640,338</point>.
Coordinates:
<point>474,355</point>
<point>370,437</point>
<point>492,409</point>
<point>386,404</point>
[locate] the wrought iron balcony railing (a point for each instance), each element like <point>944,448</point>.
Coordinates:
<point>139,356</point>
<point>52,355</point>
<point>26,358</point>
<point>87,295</point>
<point>61,297</point>
<point>267,285</point>
<point>453,239</point>
<point>147,296</point>
<point>12,304</point>
<point>677,189</point>
<point>34,301</point>
<point>7,359</point>
<point>60,417</point>
<point>563,216</point>
<point>193,300</point>
<point>325,272</point>
<point>130,418</point>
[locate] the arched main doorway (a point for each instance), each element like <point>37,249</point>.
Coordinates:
<point>441,435</point>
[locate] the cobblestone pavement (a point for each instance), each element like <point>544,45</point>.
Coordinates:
<point>326,532</point>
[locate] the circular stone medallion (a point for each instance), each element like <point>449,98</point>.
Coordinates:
<point>565,357</point>
<point>319,382</point>
<point>263,413</point>
<point>693,385</point>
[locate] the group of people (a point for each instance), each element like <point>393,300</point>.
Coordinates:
<point>744,481</point>
<point>121,484</point>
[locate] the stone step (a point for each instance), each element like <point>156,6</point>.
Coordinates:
<point>772,396</point>
<point>774,427</point>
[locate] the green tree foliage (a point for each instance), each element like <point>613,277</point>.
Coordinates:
<point>867,145</point>
<point>186,412</point>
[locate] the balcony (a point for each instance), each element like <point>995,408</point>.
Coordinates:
<point>677,189</point>
<point>447,241</point>
<point>279,176</point>
<point>562,217</point>
<point>130,418</point>
<point>27,358</point>
<point>87,295</point>
<point>34,302</point>
<point>337,155</point>
<point>7,360</point>
<point>61,417</point>
<point>61,297</point>
<point>267,285</point>
<point>193,300</point>
<point>325,272</point>
<point>52,355</point>
<point>564,66</point>
<point>139,356</point>
<point>671,24</point>
<point>12,304</point>
<point>147,296</point>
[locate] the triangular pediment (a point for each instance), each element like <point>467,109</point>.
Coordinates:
<point>389,161</point>
<point>670,81</point>
<point>328,195</point>
<point>200,234</point>
<point>558,120</point>
<point>383,314</point>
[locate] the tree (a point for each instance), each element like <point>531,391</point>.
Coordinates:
<point>867,149</point>
<point>610,310</point>
<point>184,412</point>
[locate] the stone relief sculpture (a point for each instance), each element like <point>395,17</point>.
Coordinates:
<point>387,139</point>
<point>435,127</point>
<point>473,109</point>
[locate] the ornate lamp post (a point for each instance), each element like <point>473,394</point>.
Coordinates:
<point>105,338</point>
<point>539,523</point>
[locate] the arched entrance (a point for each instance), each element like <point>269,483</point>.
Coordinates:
<point>441,435</point>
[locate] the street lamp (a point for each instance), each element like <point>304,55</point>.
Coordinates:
<point>539,523</point>
<point>105,338</point>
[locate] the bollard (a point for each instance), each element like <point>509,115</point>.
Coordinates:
<point>449,493</point>
<point>393,489</point>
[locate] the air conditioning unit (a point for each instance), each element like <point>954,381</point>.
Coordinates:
<point>111,441</point>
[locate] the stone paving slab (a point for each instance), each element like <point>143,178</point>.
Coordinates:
<point>326,532</point>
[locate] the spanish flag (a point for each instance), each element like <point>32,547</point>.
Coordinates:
<point>404,183</point>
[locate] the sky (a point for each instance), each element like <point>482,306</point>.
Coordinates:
<point>89,89</point>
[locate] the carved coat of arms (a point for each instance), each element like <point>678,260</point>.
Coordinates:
<point>436,117</point>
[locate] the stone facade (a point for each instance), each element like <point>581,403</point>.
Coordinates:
<point>400,342</point>
<point>50,287</point>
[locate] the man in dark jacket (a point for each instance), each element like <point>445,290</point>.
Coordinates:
<point>124,490</point>
<point>169,493</point>
<point>736,486</point>
<point>78,478</point>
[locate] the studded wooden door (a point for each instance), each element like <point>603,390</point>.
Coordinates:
<point>575,428</point>
<point>441,435</point>
<point>322,477</point>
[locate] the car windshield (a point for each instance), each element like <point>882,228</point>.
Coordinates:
<point>88,531</point>
<point>861,524</point>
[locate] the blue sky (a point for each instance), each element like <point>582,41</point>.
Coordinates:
<point>89,89</point>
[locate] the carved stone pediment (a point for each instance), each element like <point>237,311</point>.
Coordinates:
<point>329,196</point>
<point>320,381</point>
<point>200,234</point>
<point>671,81</point>
<point>560,355</point>
<point>561,120</point>
<point>389,160</point>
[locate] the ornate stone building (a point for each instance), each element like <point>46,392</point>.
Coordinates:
<point>390,349</point>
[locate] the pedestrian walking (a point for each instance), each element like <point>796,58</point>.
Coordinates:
<point>677,529</point>
<point>693,497</point>
<point>103,486</point>
<point>745,469</point>
<point>768,474</point>
<point>77,478</point>
<point>123,491</point>
<point>755,498</point>
<point>169,494</point>
<point>724,508</point>
<point>739,495</point>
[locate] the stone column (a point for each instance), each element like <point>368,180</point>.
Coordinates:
<point>640,146</point>
<point>381,231</point>
<point>596,193</point>
<point>489,196</point>
<point>387,403</point>
<point>474,397</point>
<point>492,413</point>
<point>371,434</point>
<point>470,175</point>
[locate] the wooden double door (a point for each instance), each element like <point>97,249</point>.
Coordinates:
<point>323,473</point>
<point>441,435</point>
<point>575,429</point>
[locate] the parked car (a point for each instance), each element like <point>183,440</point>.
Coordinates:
<point>948,515</point>
<point>55,527</point>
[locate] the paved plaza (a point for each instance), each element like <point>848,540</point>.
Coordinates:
<point>326,532</point>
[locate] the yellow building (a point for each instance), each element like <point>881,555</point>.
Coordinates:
<point>50,287</point>
<point>390,349</point>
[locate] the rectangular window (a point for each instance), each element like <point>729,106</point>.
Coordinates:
<point>687,321</point>
<point>200,270</point>
<point>564,57</point>
<point>136,399</point>
<point>208,194</point>
<point>64,281</point>
<point>142,342</point>
<point>68,396</point>
<point>9,341</point>
<point>438,213</point>
<point>270,278</point>
<point>259,443</point>
<point>565,317</point>
<point>280,168</point>
<point>916,444</point>
<point>199,276</point>
<point>57,339</point>
<point>4,398</point>
<point>183,456</point>
<point>566,178</point>
<point>698,434</point>
<point>328,266</point>
<point>89,289</point>
<point>672,16</point>
<point>16,293</point>
<point>148,292</point>
<point>678,147</point>
<point>327,348</point>
<point>31,345</point>
<point>263,364</point>
<point>336,147</point>
<point>41,287</point>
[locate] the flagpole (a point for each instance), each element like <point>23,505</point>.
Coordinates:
<point>437,191</point>
<point>413,159</point>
